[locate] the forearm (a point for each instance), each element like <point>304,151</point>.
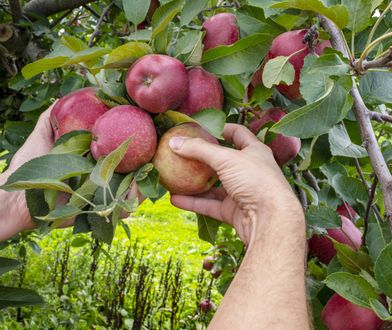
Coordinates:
<point>268,291</point>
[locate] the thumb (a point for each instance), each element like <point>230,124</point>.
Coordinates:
<point>198,149</point>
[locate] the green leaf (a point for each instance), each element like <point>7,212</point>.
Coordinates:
<point>353,261</point>
<point>41,183</point>
<point>124,55</point>
<point>56,167</point>
<point>380,310</point>
<point>7,265</point>
<point>350,190</point>
<point>383,270</point>
<point>341,144</point>
<point>149,186</point>
<point>317,118</point>
<point>337,14</point>
<point>360,13</point>
<point>143,172</point>
<point>79,241</point>
<point>36,203</point>
<point>17,297</point>
<point>86,190</point>
<point>87,55</point>
<point>378,236</point>
<point>178,117</point>
<point>42,65</point>
<point>243,56</point>
<point>136,10</point>
<point>212,120</point>
<point>124,186</point>
<point>316,81</point>
<point>64,212</point>
<point>101,228</point>
<point>128,205</point>
<point>76,144</point>
<point>103,171</point>
<point>164,15</point>
<point>278,70</point>
<point>352,287</point>
<point>191,9</point>
<point>375,88</point>
<point>208,228</point>
<point>73,43</point>
<point>322,217</point>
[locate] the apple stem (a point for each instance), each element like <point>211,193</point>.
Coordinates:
<point>84,199</point>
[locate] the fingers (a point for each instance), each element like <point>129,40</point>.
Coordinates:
<point>208,207</point>
<point>199,149</point>
<point>218,193</point>
<point>43,128</point>
<point>240,136</point>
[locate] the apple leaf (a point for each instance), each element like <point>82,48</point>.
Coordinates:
<point>101,228</point>
<point>360,13</point>
<point>7,265</point>
<point>164,15</point>
<point>56,167</point>
<point>317,118</point>
<point>124,55</point>
<point>103,171</point>
<point>383,270</point>
<point>338,13</point>
<point>87,191</point>
<point>75,144</point>
<point>149,186</point>
<point>124,185</point>
<point>191,9</point>
<point>378,237</point>
<point>73,43</point>
<point>17,297</point>
<point>178,117</point>
<point>208,228</point>
<point>278,70</point>
<point>41,183</point>
<point>87,55</point>
<point>380,310</point>
<point>136,10</point>
<point>243,56</point>
<point>64,212</point>
<point>350,190</point>
<point>354,288</point>
<point>353,261</point>
<point>42,65</point>
<point>341,144</point>
<point>322,217</point>
<point>213,120</point>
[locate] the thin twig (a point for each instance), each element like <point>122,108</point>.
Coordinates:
<point>59,19</point>
<point>311,180</point>
<point>91,10</point>
<point>300,192</point>
<point>380,117</point>
<point>385,61</point>
<point>368,206</point>
<point>98,26</point>
<point>362,116</point>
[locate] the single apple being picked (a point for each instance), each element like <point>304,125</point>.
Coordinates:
<point>180,175</point>
<point>76,111</point>
<point>322,246</point>
<point>284,148</point>
<point>220,30</point>
<point>157,83</point>
<point>119,124</point>
<point>340,314</point>
<point>287,44</point>
<point>205,92</point>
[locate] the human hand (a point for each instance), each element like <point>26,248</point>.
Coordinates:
<point>252,182</point>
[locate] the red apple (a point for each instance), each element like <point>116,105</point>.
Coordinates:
<point>76,111</point>
<point>119,124</point>
<point>208,263</point>
<point>220,29</point>
<point>347,211</point>
<point>153,7</point>
<point>322,247</point>
<point>284,148</point>
<point>206,305</point>
<point>205,92</point>
<point>157,83</point>
<point>287,44</point>
<point>180,175</point>
<point>340,314</point>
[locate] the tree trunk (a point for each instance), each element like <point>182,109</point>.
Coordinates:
<point>50,7</point>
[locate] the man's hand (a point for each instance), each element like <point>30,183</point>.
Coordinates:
<point>14,214</point>
<point>252,181</point>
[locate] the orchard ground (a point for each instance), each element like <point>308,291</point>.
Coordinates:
<point>161,229</point>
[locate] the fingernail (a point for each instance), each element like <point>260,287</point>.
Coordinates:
<point>176,142</point>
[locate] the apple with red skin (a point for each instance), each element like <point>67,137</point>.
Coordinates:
<point>205,92</point>
<point>119,124</point>
<point>76,111</point>
<point>284,148</point>
<point>347,211</point>
<point>208,263</point>
<point>206,306</point>
<point>154,5</point>
<point>157,83</point>
<point>220,30</point>
<point>322,247</point>
<point>180,175</point>
<point>340,314</point>
<point>287,44</point>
